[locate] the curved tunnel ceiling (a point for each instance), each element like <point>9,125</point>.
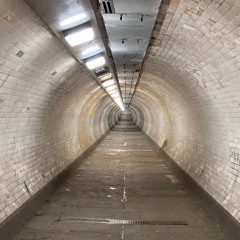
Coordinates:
<point>187,99</point>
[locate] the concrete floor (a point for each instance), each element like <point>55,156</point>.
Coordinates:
<point>124,178</point>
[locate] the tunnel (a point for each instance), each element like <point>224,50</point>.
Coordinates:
<point>132,133</point>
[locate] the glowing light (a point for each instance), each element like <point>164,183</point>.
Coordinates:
<point>108,83</point>
<point>112,91</point>
<point>96,62</point>
<point>111,88</point>
<point>115,95</point>
<point>106,76</point>
<point>80,36</point>
<point>119,102</point>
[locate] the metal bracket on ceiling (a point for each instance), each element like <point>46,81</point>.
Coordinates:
<point>123,41</point>
<point>143,15</point>
<point>121,15</point>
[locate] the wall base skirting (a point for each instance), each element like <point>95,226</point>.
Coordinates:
<point>229,225</point>
<point>12,225</point>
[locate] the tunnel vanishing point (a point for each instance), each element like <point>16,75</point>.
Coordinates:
<point>119,119</point>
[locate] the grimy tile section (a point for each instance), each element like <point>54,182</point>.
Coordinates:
<point>124,178</point>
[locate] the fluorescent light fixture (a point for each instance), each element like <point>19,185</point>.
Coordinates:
<point>95,62</point>
<point>119,102</point>
<point>90,50</point>
<point>106,76</point>
<point>73,19</point>
<point>101,72</point>
<point>115,95</point>
<point>78,35</point>
<point>113,91</point>
<point>111,88</point>
<point>108,83</point>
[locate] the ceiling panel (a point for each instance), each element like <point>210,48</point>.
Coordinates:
<point>129,31</point>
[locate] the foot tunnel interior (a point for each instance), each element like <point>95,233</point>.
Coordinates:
<point>161,161</point>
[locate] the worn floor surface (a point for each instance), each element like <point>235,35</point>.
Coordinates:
<point>124,178</point>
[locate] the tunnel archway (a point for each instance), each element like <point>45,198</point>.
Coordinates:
<point>187,100</point>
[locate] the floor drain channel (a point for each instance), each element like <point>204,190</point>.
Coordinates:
<point>125,222</point>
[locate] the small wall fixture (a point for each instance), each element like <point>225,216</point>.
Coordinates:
<point>123,40</point>
<point>138,40</point>
<point>78,35</point>
<point>121,16</point>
